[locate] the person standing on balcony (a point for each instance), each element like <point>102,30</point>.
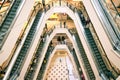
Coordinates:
<point>43,2</point>
<point>64,24</point>
<point>60,2</point>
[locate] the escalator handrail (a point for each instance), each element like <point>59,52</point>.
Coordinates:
<point>44,44</point>
<point>7,11</point>
<point>96,63</point>
<point>8,73</point>
<point>108,17</point>
<point>48,52</point>
<point>73,52</point>
<point>13,22</point>
<point>3,1</point>
<point>105,56</point>
<point>102,75</point>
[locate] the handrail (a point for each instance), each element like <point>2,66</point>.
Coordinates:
<point>111,24</point>
<point>95,61</point>
<point>6,12</point>
<point>17,42</point>
<point>13,22</point>
<point>2,4</point>
<point>37,5</point>
<point>29,21</point>
<point>115,7</point>
<point>48,52</point>
<point>111,13</point>
<point>23,32</point>
<point>36,55</point>
<point>106,57</point>
<point>83,60</point>
<point>77,62</point>
<point>103,51</point>
<point>107,32</point>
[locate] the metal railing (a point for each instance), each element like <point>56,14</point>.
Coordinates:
<point>5,14</point>
<point>109,25</point>
<point>13,22</point>
<point>107,62</point>
<point>23,32</point>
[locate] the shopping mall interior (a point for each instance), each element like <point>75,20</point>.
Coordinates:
<point>59,39</point>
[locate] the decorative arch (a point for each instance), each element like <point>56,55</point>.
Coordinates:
<point>60,9</point>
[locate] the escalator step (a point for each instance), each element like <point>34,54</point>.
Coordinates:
<point>1,37</point>
<point>3,30</point>
<point>13,10</point>
<point>96,51</point>
<point>99,57</point>
<point>102,66</point>
<point>104,69</point>
<point>8,20</point>
<point>7,24</point>
<point>11,16</point>
<point>3,34</point>
<point>12,13</point>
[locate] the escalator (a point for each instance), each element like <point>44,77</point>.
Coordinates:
<point>23,52</point>
<point>9,19</point>
<point>2,3</point>
<point>101,64</point>
<point>110,25</point>
<point>96,53</point>
<point>44,64</point>
<point>76,61</point>
<point>84,58</point>
<point>33,66</point>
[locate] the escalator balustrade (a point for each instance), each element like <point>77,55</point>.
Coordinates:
<point>26,46</point>
<point>84,58</point>
<point>96,52</point>
<point>76,61</point>
<point>102,67</point>
<point>9,19</point>
<point>33,66</point>
<point>44,64</point>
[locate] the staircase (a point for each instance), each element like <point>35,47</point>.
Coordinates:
<point>33,66</point>
<point>9,19</point>
<point>44,64</point>
<point>76,61</point>
<point>25,47</point>
<point>84,58</point>
<point>95,51</point>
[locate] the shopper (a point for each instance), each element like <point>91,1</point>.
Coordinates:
<point>64,24</point>
<point>60,2</point>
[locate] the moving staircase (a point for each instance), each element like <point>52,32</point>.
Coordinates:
<point>44,64</point>
<point>76,61</point>
<point>33,66</point>
<point>84,58</point>
<point>30,73</point>
<point>9,19</point>
<point>96,52</point>
<point>102,67</point>
<point>25,47</point>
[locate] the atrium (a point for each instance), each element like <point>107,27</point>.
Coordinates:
<point>59,39</point>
